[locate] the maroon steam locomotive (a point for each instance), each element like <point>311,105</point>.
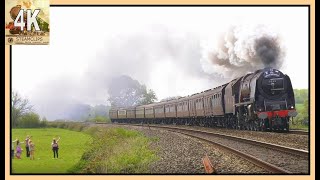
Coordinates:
<point>263,100</point>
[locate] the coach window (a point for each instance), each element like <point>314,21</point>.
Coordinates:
<point>196,103</point>
<point>201,103</point>
<point>212,101</point>
<point>216,100</point>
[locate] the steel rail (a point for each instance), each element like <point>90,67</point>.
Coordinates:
<point>293,151</point>
<point>299,132</point>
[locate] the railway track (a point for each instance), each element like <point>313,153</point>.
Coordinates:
<point>259,153</point>
<point>263,164</point>
<point>299,132</point>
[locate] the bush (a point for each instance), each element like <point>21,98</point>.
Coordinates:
<point>43,122</point>
<point>100,119</point>
<point>75,126</point>
<point>29,120</point>
<point>62,125</point>
<point>116,151</point>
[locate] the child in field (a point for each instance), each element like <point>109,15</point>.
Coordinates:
<point>18,149</point>
<point>27,145</point>
<point>31,149</point>
<point>12,148</point>
<point>55,147</point>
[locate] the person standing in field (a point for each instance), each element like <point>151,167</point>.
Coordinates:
<point>27,145</point>
<point>55,147</point>
<point>12,148</point>
<point>18,149</point>
<point>31,149</point>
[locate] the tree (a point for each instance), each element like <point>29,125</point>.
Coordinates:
<point>300,95</point>
<point>19,107</point>
<point>43,122</point>
<point>125,92</point>
<point>148,97</point>
<point>305,112</point>
<point>29,120</point>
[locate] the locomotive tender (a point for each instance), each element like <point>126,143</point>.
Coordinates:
<point>263,100</point>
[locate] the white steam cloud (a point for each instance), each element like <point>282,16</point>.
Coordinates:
<point>244,49</point>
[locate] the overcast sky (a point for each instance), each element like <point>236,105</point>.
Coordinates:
<point>162,47</point>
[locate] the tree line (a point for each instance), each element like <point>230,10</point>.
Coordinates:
<point>302,106</point>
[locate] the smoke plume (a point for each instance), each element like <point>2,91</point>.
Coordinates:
<point>241,50</point>
<point>134,55</point>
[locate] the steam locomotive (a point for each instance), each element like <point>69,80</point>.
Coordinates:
<point>263,100</point>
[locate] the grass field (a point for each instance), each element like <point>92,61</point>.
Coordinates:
<point>72,145</point>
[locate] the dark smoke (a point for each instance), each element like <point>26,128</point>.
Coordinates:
<point>241,50</point>
<point>269,51</point>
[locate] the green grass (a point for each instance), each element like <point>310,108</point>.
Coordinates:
<point>72,145</point>
<point>297,124</point>
<point>117,151</point>
<point>299,107</point>
<point>299,127</point>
